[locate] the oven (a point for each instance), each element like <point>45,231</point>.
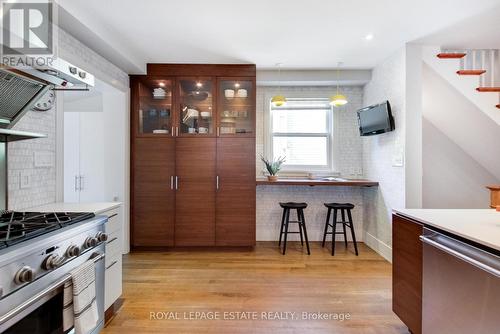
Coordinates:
<point>39,306</point>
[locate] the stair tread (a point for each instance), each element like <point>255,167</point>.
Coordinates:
<point>451,55</point>
<point>471,72</point>
<point>488,89</point>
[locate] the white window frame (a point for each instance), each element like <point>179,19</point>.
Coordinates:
<point>292,169</point>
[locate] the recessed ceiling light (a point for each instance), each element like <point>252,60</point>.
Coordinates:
<point>369,37</point>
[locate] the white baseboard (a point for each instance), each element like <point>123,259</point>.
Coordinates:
<point>378,246</point>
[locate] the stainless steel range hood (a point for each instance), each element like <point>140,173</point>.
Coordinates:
<point>21,88</point>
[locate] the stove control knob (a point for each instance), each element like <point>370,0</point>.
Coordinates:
<point>72,251</point>
<point>24,275</point>
<point>52,261</point>
<point>90,242</point>
<point>101,236</point>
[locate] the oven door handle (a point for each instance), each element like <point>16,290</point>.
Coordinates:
<point>12,313</point>
<point>472,255</point>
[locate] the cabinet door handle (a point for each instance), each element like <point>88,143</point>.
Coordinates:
<point>172,182</point>
<point>76,183</point>
<point>218,131</point>
<point>110,241</point>
<point>172,131</point>
<point>82,182</point>
<point>176,182</point>
<point>217,182</point>
<point>177,131</point>
<point>112,264</point>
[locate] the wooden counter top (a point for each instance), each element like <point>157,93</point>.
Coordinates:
<point>318,182</point>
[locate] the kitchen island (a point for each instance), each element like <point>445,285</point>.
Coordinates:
<point>442,257</point>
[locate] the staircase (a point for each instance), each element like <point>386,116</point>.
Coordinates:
<point>475,73</point>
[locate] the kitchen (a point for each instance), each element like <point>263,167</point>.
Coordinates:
<point>166,173</point>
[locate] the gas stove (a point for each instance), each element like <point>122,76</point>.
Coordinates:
<point>37,253</point>
<point>16,227</point>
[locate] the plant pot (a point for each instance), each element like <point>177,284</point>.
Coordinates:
<point>272,178</point>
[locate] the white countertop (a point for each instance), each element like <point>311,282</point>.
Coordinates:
<point>478,225</point>
<point>96,208</point>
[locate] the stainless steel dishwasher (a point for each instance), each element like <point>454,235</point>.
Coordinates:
<point>461,287</point>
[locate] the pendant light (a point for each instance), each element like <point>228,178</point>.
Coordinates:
<point>278,100</point>
<point>338,99</point>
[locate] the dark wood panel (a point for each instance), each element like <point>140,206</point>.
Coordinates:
<point>235,202</point>
<point>195,196</point>
<point>230,70</point>
<point>195,158</point>
<point>407,272</point>
<point>236,158</point>
<point>153,200</point>
<point>308,182</point>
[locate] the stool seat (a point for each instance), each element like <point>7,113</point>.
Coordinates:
<point>293,205</point>
<point>345,209</point>
<point>301,222</point>
<point>339,205</point>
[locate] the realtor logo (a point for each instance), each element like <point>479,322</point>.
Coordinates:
<point>27,28</point>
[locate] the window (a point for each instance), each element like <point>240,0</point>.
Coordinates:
<point>302,132</point>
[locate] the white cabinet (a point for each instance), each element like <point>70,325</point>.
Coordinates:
<point>95,145</point>
<point>84,163</point>
<point>113,273</point>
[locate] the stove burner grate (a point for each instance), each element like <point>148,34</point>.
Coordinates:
<point>17,227</point>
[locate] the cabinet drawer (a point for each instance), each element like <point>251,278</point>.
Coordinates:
<point>114,245</point>
<point>114,220</point>
<point>112,282</point>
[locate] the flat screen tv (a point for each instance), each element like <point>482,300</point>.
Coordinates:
<point>375,119</point>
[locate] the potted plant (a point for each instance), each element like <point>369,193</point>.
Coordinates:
<point>273,167</point>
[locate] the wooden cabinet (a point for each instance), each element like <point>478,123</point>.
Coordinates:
<point>235,192</point>
<point>193,156</point>
<point>153,206</point>
<point>407,272</point>
<point>195,195</point>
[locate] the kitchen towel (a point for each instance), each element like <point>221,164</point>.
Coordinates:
<point>80,306</point>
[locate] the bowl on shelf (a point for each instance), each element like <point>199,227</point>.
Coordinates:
<point>206,114</point>
<point>229,93</point>
<point>242,93</point>
<point>161,131</point>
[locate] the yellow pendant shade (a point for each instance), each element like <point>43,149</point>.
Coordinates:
<point>278,100</point>
<point>338,100</point>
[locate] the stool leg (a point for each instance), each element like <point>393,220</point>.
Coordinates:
<point>334,230</point>
<point>352,232</point>
<point>300,228</point>
<point>305,231</point>
<point>326,226</point>
<point>287,219</point>
<point>343,226</point>
<point>282,225</point>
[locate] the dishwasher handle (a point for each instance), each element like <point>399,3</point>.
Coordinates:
<point>470,254</point>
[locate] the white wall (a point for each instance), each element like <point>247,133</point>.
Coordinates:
<point>382,152</point>
<point>461,121</point>
<point>452,178</point>
<point>349,160</point>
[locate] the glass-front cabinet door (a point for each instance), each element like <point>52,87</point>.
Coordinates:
<point>155,115</point>
<point>236,107</point>
<point>196,103</point>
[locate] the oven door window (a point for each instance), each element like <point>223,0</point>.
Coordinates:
<point>46,319</point>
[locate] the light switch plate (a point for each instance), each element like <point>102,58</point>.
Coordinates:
<point>25,180</point>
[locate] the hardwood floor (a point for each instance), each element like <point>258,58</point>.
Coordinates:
<point>260,280</point>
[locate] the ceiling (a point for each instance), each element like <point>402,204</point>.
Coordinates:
<point>312,34</point>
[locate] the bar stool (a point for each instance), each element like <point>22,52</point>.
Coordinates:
<point>301,221</point>
<point>343,207</point>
